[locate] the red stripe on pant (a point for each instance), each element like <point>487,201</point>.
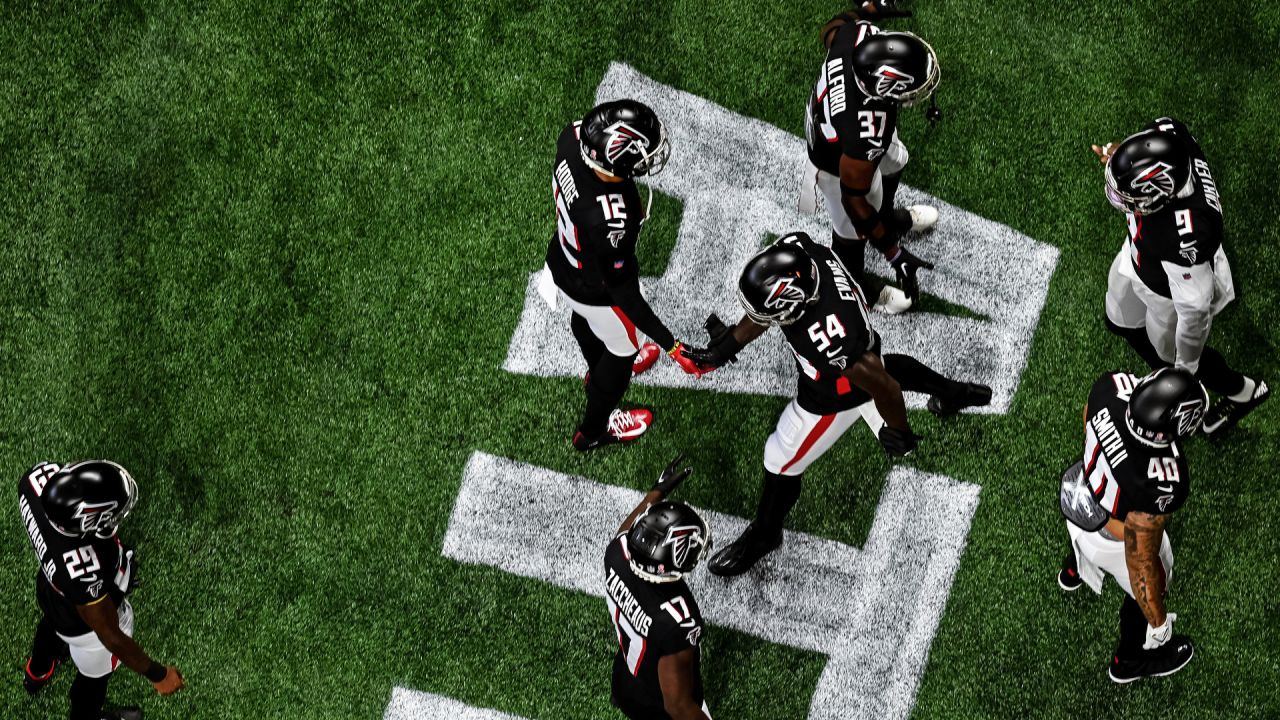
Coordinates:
<point>631,328</point>
<point>805,446</point>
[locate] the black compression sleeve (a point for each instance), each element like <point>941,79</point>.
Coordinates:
<point>628,298</point>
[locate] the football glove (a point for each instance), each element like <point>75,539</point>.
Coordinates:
<point>1157,636</point>
<point>671,478</point>
<point>897,443</point>
<point>682,356</point>
<point>722,350</point>
<point>906,265</point>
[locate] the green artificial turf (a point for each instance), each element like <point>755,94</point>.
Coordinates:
<point>269,256</point>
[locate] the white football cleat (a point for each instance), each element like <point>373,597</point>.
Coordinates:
<point>923,217</point>
<point>892,301</point>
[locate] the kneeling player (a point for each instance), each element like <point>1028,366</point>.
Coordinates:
<point>1117,501</point>
<point>803,288</point>
<point>656,672</point>
<point>71,515</point>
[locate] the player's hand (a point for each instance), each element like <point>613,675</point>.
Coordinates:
<point>880,9</point>
<point>172,682</point>
<point>906,266</point>
<point>1103,151</point>
<point>681,355</point>
<point>1157,636</point>
<point>722,350</point>
<point>897,443</point>
<point>671,478</point>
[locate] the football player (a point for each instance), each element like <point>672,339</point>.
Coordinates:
<point>1117,501</point>
<point>855,156</point>
<point>1171,276</point>
<point>71,514</point>
<point>591,260</point>
<point>657,669</point>
<point>803,288</point>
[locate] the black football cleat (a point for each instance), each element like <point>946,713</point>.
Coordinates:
<point>1164,660</point>
<point>33,683</point>
<point>973,395</point>
<point>1069,577</point>
<point>1227,412</point>
<point>124,713</point>
<point>742,554</point>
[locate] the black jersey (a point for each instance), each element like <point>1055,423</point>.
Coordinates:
<point>840,119</point>
<point>73,570</point>
<point>597,225</point>
<point>1185,232</point>
<point>651,620</point>
<point>1125,473</point>
<point>831,335</point>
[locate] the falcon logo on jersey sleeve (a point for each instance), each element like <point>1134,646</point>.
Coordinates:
<point>1156,180</point>
<point>891,81</point>
<point>681,539</point>
<point>624,139</point>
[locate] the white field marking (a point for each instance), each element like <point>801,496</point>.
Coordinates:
<point>872,610</point>
<point>417,705</point>
<point>738,180</point>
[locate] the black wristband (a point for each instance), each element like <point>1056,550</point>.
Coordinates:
<point>156,672</point>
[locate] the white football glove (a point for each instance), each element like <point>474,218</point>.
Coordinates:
<point>1157,636</point>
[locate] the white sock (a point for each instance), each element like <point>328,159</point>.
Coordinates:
<point>1245,394</point>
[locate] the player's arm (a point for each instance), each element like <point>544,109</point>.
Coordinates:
<point>856,176</point>
<point>869,374</point>
<point>102,617</point>
<point>1192,291</point>
<point>677,676</point>
<point>1143,534</point>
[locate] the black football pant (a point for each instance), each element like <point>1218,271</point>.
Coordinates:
<point>608,378</point>
<point>1214,372</point>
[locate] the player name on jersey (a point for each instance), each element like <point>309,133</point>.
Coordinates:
<point>1109,438</point>
<point>627,604</point>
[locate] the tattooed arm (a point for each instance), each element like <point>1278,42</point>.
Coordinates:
<point>1143,534</point>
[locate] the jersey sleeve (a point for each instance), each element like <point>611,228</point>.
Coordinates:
<point>1168,485</point>
<point>1168,124</point>
<point>681,626</point>
<point>83,573</point>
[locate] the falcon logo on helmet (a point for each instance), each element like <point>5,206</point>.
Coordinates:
<point>785,295</point>
<point>1155,180</point>
<point>682,539</point>
<point>891,82</point>
<point>1188,415</point>
<point>96,516</point>
<point>624,139</point>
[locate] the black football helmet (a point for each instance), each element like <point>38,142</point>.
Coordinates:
<point>624,138</point>
<point>1166,405</point>
<point>89,498</point>
<point>1146,171</point>
<point>896,66</point>
<point>779,282</point>
<point>667,541</point>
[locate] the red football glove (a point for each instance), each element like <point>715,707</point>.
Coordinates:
<point>678,353</point>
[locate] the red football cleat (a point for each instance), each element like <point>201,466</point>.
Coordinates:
<point>624,426</point>
<point>648,355</point>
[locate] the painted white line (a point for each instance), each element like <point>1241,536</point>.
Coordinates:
<point>738,180</point>
<point>416,705</point>
<point>873,611</point>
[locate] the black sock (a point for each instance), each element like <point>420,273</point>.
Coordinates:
<point>1138,340</point>
<point>852,254</point>
<point>890,196</point>
<point>88,696</point>
<point>915,376</point>
<point>1217,375</point>
<point>779,495</point>
<point>1133,630</point>
<point>610,377</point>
<point>46,648</point>
<point>590,345</point>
